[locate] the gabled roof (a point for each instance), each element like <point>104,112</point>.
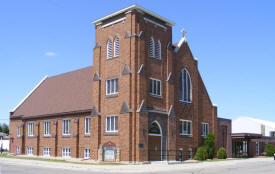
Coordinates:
<point>4,136</point>
<point>64,93</point>
<point>134,7</point>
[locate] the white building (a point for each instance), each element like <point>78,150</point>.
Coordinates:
<point>4,141</point>
<point>253,126</point>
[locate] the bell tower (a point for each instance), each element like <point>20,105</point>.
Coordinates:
<point>122,69</point>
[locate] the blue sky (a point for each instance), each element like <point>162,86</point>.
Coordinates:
<point>233,41</point>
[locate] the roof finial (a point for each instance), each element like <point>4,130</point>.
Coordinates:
<point>183,32</point>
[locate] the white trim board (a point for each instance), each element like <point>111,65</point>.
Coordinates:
<point>182,40</point>
<point>30,92</point>
<point>154,22</point>
<point>114,22</point>
<point>132,7</point>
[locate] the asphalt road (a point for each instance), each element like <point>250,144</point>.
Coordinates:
<point>231,167</point>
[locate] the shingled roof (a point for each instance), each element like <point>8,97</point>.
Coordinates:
<point>61,94</point>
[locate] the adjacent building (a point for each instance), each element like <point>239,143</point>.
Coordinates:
<point>142,100</point>
<point>4,141</point>
<point>250,136</point>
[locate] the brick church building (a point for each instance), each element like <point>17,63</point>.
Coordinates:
<point>142,100</point>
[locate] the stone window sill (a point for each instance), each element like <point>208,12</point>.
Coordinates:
<point>185,136</point>
<point>154,58</point>
<point>156,96</point>
<point>111,133</point>
<point>111,95</point>
<point>185,102</point>
<point>32,136</point>
<point>46,136</point>
<point>111,58</point>
<point>66,136</point>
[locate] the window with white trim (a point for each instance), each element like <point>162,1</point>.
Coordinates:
<point>186,127</point>
<point>116,47</point>
<point>111,124</point>
<point>47,131</point>
<point>257,148</point>
<point>46,151</point>
<point>66,127</point>
<point>155,87</point>
<point>30,151</point>
<point>190,154</point>
<point>109,49</point>
<point>87,125</point>
<point>152,48</point>
<point>66,152</point>
<point>245,146</point>
<point>18,131</point>
<point>86,153</point>
<point>30,128</point>
<point>185,86</point>
<point>158,50</point>
<point>205,129</point>
<point>112,86</point>
<point>17,150</point>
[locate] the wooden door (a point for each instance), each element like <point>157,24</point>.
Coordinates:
<point>154,148</point>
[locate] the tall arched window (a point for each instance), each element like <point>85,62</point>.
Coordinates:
<point>116,47</point>
<point>185,86</point>
<point>109,49</point>
<point>152,48</point>
<point>158,50</point>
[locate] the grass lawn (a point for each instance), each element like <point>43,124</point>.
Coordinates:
<point>5,155</point>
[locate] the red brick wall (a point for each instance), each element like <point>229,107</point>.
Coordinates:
<point>132,137</point>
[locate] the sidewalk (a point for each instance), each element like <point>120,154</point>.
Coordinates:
<point>155,167</point>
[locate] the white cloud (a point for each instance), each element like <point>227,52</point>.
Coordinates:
<point>50,53</point>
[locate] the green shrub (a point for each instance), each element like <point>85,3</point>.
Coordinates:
<point>201,154</point>
<point>210,145</point>
<point>222,153</point>
<point>269,149</point>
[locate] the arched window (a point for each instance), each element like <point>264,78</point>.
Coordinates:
<point>109,49</point>
<point>155,129</point>
<point>185,86</point>
<point>116,47</point>
<point>158,50</point>
<point>152,48</point>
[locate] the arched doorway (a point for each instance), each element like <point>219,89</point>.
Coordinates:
<point>154,142</point>
<point>109,151</point>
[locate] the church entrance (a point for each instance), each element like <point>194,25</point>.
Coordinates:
<point>154,142</point>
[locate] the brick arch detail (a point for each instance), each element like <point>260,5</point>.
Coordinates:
<point>109,143</point>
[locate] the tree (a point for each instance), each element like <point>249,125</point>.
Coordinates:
<point>201,154</point>
<point>4,128</point>
<point>0,127</point>
<point>209,143</point>
<point>269,149</point>
<point>222,153</point>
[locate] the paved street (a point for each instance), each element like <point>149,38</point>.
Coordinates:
<point>251,166</point>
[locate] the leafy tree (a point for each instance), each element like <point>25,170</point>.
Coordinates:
<point>209,143</point>
<point>222,153</point>
<point>269,149</point>
<point>0,127</point>
<point>201,154</point>
<point>4,128</point>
